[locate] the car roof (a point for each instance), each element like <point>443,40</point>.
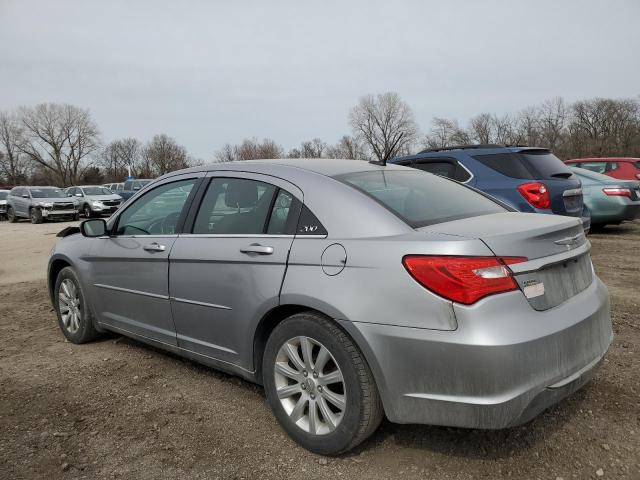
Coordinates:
<point>480,149</point>
<point>294,166</point>
<point>604,159</point>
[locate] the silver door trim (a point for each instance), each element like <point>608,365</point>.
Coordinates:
<point>185,338</point>
<point>244,235</point>
<point>128,290</point>
<point>202,304</point>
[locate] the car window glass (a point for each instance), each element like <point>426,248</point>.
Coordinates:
<point>420,199</point>
<point>611,166</point>
<point>234,206</point>
<point>284,214</point>
<point>444,169</point>
<point>3,195</point>
<point>308,224</point>
<point>598,167</point>
<point>526,165</point>
<point>157,212</point>
<point>47,193</point>
<point>97,191</point>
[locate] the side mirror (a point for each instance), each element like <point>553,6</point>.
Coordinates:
<point>96,227</point>
<point>78,194</point>
<point>24,195</point>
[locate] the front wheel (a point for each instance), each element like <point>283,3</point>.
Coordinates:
<point>11,215</point>
<point>86,210</point>
<point>319,385</point>
<point>74,315</point>
<point>35,215</point>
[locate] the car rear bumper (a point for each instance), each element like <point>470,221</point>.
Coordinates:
<point>503,365</point>
<point>616,212</point>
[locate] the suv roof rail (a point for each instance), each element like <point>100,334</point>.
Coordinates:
<point>462,147</point>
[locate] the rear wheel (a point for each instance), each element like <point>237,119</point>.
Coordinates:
<point>35,215</point>
<point>319,385</point>
<point>11,215</point>
<point>74,315</point>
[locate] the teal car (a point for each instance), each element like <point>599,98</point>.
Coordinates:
<point>610,200</point>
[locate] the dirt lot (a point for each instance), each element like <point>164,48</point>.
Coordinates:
<point>119,409</point>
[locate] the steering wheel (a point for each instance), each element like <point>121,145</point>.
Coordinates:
<point>167,225</point>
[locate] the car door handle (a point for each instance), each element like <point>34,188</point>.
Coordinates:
<point>256,248</point>
<point>154,247</point>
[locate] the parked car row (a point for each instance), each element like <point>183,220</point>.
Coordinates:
<point>534,180</point>
<point>52,203</point>
<point>353,291</point>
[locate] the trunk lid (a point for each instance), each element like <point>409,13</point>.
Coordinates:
<point>559,264</point>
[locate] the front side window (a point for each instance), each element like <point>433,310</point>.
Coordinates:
<point>420,199</point>
<point>157,212</point>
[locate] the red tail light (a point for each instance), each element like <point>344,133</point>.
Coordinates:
<point>617,192</point>
<point>536,194</point>
<point>463,279</point>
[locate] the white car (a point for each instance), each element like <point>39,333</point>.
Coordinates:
<point>3,204</point>
<point>95,200</point>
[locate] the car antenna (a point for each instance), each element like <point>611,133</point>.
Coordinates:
<point>383,162</point>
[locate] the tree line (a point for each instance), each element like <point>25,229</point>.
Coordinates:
<point>60,144</point>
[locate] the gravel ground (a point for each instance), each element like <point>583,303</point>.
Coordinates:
<point>119,409</point>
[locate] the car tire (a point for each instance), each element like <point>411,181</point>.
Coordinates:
<point>75,317</point>
<point>362,409</point>
<point>11,215</point>
<point>35,214</point>
<point>86,210</point>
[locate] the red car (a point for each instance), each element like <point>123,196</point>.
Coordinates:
<point>624,168</point>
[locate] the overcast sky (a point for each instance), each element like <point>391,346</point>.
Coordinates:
<point>213,72</point>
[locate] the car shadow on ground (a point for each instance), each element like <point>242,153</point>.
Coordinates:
<point>462,442</point>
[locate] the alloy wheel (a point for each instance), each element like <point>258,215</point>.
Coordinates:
<point>69,305</point>
<point>310,385</point>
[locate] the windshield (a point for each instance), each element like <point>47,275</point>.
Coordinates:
<point>527,165</point>
<point>47,193</point>
<point>3,195</point>
<point>420,198</point>
<point>97,191</point>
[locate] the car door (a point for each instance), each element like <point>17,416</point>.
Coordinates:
<point>22,203</point>
<point>129,268</point>
<point>226,273</point>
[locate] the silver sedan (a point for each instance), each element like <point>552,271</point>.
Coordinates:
<point>349,290</point>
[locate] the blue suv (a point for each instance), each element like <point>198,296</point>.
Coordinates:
<point>526,178</point>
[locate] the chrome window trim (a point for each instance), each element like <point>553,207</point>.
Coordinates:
<point>135,292</point>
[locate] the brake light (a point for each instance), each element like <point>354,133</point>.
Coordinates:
<point>463,279</point>
<point>536,194</point>
<point>617,192</point>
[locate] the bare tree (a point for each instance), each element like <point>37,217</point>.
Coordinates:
<point>120,154</point>
<point>59,138</point>
<point>481,128</point>
<point>250,149</point>
<point>162,155</point>
<point>552,119</point>
<point>445,133</point>
<point>348,147</point>
<point>309,149</point>
<point>384,123</point>
<point>14,166</point>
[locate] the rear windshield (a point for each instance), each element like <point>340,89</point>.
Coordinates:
<point>527,165</point>
<point>47,193</point>
<point>420,198</point>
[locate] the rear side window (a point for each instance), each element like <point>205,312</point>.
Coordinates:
<point>420,199</point>
<point>450,169</point>
<point>526,165</point>
<point>611,166</point>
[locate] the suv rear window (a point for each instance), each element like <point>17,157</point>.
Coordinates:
<point>526,165</point>
<point>419,198</point>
